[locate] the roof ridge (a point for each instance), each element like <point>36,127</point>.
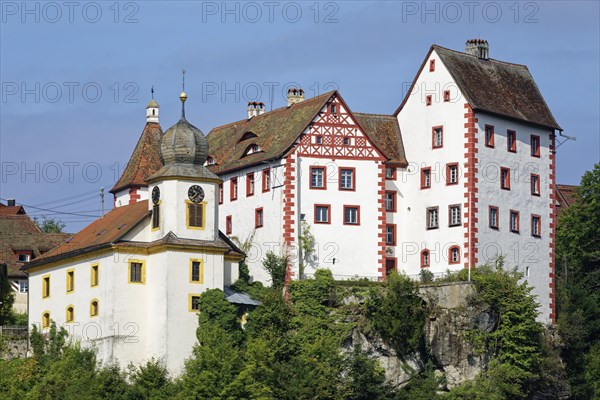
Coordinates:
<point>374,114</point>
<point>489,59</point>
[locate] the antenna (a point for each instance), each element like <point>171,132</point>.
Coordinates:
<point>183,80</point>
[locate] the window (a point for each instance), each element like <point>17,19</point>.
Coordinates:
<point>196,271</point>
<point>535,146</point>
<point>194,303</point>
<point>428,100</point>
<point>317,178</point>
<point>137,271</point>
<point>228,225</point>
<point>347,141</point>
<point>253,148</point>
<point>258,218</point>
<point>233,186</point>
<point>221,193</point>
<point>514,221</point>
<point>46,319</point>
<point>94,308</point>
<point>390,234</point>
<point>23,257</point>
<point>196,214</point>
<point>70,317</point>
<point>446,96</point>
<point>46,286</point>
<point>489,136</point>
<point>390,173</point>
<point>318,139</point>
<point>266,180</point>
<point>390,265</point>
<point>493,217</point>
<point>511,141</point>
<point>505,178</point>
<point>351,215</point>
<point>250,184</point>
<point>454,255</point>
<point>535,184</point>
<point>437,137</point>
<point>70,280</point>
<point>451,174</point>
<point>209,161</point>
<point>23,286</point>
<point>322,214</point>
<point>432,218</point>
<point>333,109</point>
<point>431,65</point>
<point>155,216</point>
<point>347,179</point>
<point>390,201</point>
<point>425,258</point>
<point>454,215</point>
<point>426,178</point>
<point>94,277</point>
<point>536,225</point>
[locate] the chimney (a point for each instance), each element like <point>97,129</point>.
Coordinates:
<point>256,108</point>
<point>478,48</point>
<point>295,95</point>
<point>11,202</point>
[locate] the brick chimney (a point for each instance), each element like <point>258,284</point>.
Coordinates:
<point>295,95</point>
<point>11,202</point>
<point>478,48</point>
<point>256,108</point>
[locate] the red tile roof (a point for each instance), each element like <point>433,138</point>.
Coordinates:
<point>384,131</point>
<point>565,195</point>
<point>11,210</point>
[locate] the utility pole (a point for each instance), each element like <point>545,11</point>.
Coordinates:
<point>102,197</point>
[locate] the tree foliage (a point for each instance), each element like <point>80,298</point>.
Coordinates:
<point>276,266</point>
<point>50,225</point>
<point>7,297</point>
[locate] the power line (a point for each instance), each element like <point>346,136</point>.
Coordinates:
<point>54,211</point>
<point>67,198</point>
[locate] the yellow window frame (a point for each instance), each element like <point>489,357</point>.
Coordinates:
<point>70,313</point>
<point>46,286</point>
<point>46,319</point>
<point>70,280</point>
<point>94,274</point>
<point>190,297</point>
<point>94,310</point>
<point>143,262</point>
<point>187,215</point>
<point>200,273</point>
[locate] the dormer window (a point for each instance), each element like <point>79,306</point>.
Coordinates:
<point>253,148</point>
<point>209,161</point>
<point>24,257</point>
<point>247,135</point>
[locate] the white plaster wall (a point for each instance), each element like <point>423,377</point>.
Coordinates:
<point>416,122</point>
<point>122,197</point>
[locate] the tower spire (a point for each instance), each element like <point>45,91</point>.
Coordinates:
<point>183,95</point>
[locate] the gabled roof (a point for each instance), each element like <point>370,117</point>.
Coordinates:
<point>11,210</point>
<point>144,161</point>
<point>384,131</point>
<point>565,195</point>
<point>101,233</point>
<point>276,132</point>
<point>495,87</point>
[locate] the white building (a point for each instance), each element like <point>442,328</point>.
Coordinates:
<point>462,173</point>
<point>129,283</point>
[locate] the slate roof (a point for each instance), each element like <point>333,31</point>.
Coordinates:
<point>384,131</point>
<point>144,161</point>
<point>495,87</point>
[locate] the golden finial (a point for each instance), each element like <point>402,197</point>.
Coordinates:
<point>183,94</point>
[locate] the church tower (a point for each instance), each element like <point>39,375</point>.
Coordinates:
<point>184,193</point>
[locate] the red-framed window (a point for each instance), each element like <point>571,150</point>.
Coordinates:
<point>437,137</point>
<point>534,183</point>
<point>228,225</point>
<point>221,193</point>
<point>390,200</point>
<point>391,264</point>
<point>390,234</point>
<point>266,180</point>
<point>426,178</point>
<point>351,215</point>
<point>259,218</point>
<point>454,217</point>
<point>511,141</point>
<point>433,218</point>
<point>535,145</point>
<point>452,174</point>
<point>454,255</point>
<point>318,139</point>
<point>347,178</point>
<point>489,136</point>
<point>505,178</point>
<point>514,221</point>
<point>493,217</point>
<point>250,184</point>
<point>390,173</point>
<point>446,96</point>
<point>233,194</point>
<point>425,258</point>
<point>536,225</point>
<point>322,214</point>
<point>347,141</point>
<point>428,99</point>
<point>431,65</point>
<point>318,177</point>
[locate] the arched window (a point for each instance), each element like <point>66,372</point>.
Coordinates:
<point>425,258</point>
<point>454,255</point>
<point>46,319</point>
<point>253,148</point>
<point>247,135</point>
<point>70,317</point>
<point>94,308</point>
<point>209,161</point>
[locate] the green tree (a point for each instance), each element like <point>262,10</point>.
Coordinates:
<point>276,266</point>
<point>7,297</point>
<point>50,225</point>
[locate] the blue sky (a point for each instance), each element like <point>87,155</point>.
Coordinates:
<point>76,79</point>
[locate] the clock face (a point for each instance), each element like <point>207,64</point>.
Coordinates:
<point>155,195</point>
<point>196,194</point>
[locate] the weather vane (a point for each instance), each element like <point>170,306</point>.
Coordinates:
<point>152,91</point>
